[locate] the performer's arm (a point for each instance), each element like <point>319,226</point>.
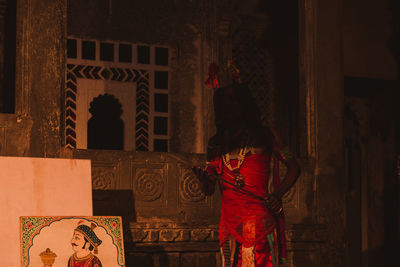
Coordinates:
<point>293,172</point>
<point>207,178</point>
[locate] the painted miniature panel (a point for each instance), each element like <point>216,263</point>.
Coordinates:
<point>95,241</point>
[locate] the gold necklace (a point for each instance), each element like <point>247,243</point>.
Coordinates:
<point>239,179</point>
<point>227,159</point>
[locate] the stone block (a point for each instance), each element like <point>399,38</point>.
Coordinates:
<point>153,236</point>
<point>189,260</point>
<point>200,234</point>
<point>177,235</point>
<point>169,235</point>
<point>139,259</point>
<point>139,235</point>
<point>207,259</point>
<point>198,260</point>
<point>170,259</point>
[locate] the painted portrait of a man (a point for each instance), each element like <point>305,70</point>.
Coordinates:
<point>84,244</point>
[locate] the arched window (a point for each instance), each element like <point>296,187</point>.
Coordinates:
<point>105,129</point>
<point>136,74</point>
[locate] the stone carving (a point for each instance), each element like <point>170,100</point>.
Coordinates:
<point>103,179</point>
<point>149,185</point>
<point>200,234</point>
<point>172,234</point>
<point>139,235</point>
<point>190,189</point>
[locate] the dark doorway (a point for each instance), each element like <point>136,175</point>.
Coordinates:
<point>7,57</point>
<point>371,132</point>
<point>354,175</point>
<point>105,127</point>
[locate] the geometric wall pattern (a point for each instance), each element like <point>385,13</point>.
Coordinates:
<point>144,65</point>
<point>141,77</point>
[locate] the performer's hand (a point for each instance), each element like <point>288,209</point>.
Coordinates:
<point>274,204</point>
<point>207,181</point>
<point>200,173</point>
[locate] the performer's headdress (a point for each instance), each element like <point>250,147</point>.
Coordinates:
<point>89,234</point>
<point>237,116</point>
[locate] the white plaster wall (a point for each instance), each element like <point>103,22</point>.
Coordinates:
<point>39,187</point>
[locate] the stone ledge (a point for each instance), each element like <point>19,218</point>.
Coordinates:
<point>160,235</point>
<point>171,247</point>
<point>306,233</point>
<point>162,232</point>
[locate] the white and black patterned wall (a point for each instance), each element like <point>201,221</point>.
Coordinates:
<point>117,96</point>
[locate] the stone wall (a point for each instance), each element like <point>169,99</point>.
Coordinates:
<point>167,221</point>
<point>34,128</point>
<point>183,26</point>
<point>366,32</point>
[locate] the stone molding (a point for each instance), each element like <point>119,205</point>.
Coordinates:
<point>171,232</point>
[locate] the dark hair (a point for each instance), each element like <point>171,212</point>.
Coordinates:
<point>90,247</point>
<point>238,122</point>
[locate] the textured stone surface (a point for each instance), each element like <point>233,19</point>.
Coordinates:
<point>170,259</point>
<point>46,79</point>
<point>156,181</point>
<point>180,25</point>
<point>322,147</point>
<point>163,204</point>
<point>198,259</point>
<point>144,260</point>
<point>35,128</point>
<point>15,135</point>
<point>189,259</point>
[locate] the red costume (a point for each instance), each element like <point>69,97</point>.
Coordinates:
<point>244,217</point>
<point>88,261</point>
<point>248,231</point>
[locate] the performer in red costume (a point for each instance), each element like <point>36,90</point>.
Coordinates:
<point>239,156</point>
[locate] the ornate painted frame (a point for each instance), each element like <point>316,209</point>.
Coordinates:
<point>31,226</point>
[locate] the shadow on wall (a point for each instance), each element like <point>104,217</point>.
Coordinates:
<point>116,203</point>
<point>122,203</point>
<point>105,127</point>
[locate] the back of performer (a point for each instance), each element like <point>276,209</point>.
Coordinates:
<point>240,155</point>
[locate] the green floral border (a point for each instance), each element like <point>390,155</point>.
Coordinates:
<point>31,226</point>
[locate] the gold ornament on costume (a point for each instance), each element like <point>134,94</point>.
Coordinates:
<point>239,179</point>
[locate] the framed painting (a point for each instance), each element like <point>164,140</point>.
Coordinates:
<point>90,241</point>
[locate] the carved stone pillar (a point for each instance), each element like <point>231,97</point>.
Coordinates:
<point>34,128</point>
<point>321,103</point>
<point>41,40</point>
